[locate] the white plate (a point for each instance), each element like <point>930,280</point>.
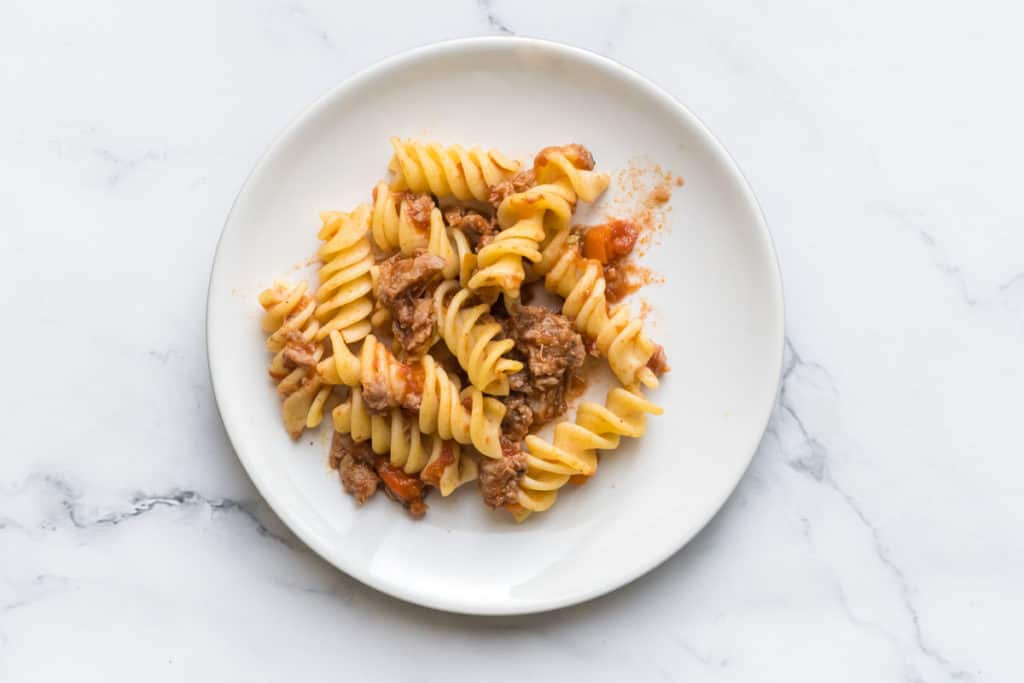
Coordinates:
<point>720,317</point>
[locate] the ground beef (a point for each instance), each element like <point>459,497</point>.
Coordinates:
<point>552,347</point>
<point>518,417</point>
<point>659,362</point>
<point>413,276</point>
<point>553,355</point>
<point>478,229</point>
<point>405,286</point>
<point>520,182</point>
<point>412,326</point>
<point>398,386</point>
<point>499,477</point>
<point>548,403</point>
<point>377,397</point>
<point>299,356</point>
<point>354,462</point>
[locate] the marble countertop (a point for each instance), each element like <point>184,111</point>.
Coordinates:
<point>879,534</point>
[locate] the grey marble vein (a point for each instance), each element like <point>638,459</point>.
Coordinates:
<point>816,466</point>
<point>487,7</point>
<point>140,504</point>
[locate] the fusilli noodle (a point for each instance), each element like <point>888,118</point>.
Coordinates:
<point>573,449</point>
<point>394,229</point>
<point>525,218</point>
<point>619,336</point>
<point>448,171</point>
<point>289,318</point>
<point>345,281</point>
<point>444,411</point>
<point>472,341</point>
<point>437,461</point>
<point>465,415</point>
<point>570,166</point>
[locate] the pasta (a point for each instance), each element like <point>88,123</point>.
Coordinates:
<point>415,414</point>
<point>473,342</point>
<point>618,335</point>
<point>525,218</point>
<point>345,280</point>
<point>448,171</point>
<point>443,408</point>
<point>528,218</point>
<point>573,450</point>
<point>289,318</point>
<point>570,166</point>
<point>436,460</point>
<point>444,411</point>
<point>393,229</point>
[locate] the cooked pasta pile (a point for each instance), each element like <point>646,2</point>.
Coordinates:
<point>420,343</point>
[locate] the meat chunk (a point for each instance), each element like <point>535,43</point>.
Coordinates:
<point>377,397</point>
<point>398,385</point>
<point>548,403</point>
<point>478,229</point>
<point>299,356</point>
<point>520,182</point>
<point>413,276</point>
<point>412,326</point>
<point>404,286</point>
<point>659,362</point>
<point>552,347</point>
<point>518,417</point>
<point>553,354</point>
<point>499,477</point>
<point>418,209</point>
<point>354,462</point>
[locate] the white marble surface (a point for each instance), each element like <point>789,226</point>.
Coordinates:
<point>879,535</point>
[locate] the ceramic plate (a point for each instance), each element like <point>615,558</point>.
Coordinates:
<point>719,315</point>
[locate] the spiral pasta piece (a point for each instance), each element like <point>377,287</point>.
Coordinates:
<point>451,171</point>
<point>392,226</point>
<point>549,465</point>
<point>439,462</point>
<point>444,411</point>
<point>473,342</point>
<point>464,415</point>
<point>345,281</point>
<point>618,335</point>
<point>395,229</point>
<point>526,218</point>
<point>290,320</point>
<point>375,365</point>
<point>572,167</point>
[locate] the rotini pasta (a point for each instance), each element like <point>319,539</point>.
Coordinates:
<point>471,341</point>
<point>465,415</point>
<point>525,218</point>
<point>529,218</point>
<point>394,229</point>
<point>400,262</point>
<point>618,336</point>
<point>448,171</point>
<point>289,318</point>
<point>570,166</point>
<point>573,449</point>
<point>345,281</point>
<point>445,412</point>
<point>438,462</point>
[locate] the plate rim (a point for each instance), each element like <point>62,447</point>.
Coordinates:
<point>447,603</point>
